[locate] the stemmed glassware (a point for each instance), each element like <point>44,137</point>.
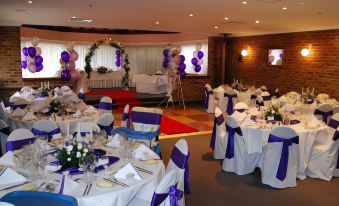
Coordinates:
<point>88,163</point>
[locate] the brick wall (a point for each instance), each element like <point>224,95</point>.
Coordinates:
<point>319,70</point>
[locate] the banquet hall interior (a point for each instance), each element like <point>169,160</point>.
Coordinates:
<point>194,102</point>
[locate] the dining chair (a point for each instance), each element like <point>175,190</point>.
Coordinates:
<point>4,132</point>
<point>266,98</point>
<point>125,119</point>
<point>3,114</point>
<point>106,123</point>
<point>64,89</point>
<point>226,103</point>
<point>47,128</point>
<point>253,98</point>
<point>218,141</point>
<point>19,103</point>
<point>324,112</point>
<point>263,88</point>
<point>259,102</point>
<point>241,107</point>
<point>324,162</point>
<point>105,105</point>
<point>279,161</point>
<point>236,158</point>
<point>19,138</point>
<point>26,89</point>
<point>24,198</point>
<point>210,103</point>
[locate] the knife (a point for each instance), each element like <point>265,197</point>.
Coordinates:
<point>3,171</point>
<point>85,191</point>
<point>89,189</point>
<point>14,186</point>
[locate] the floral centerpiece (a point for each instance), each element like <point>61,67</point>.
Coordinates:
<point>102,70</point>
<point>55,106</point>
<point>273,113</point>
<point>70,155</point>
<point>307,98</point>
<point>238,86</point>
<point>45,91</point>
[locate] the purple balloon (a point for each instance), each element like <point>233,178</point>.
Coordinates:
<point>165,64</point>
<point>65,56</point>
<point>66,75</point>
<point>281,55</point>
<point>38,60</point>
<point>39,68</point>
<point>165,52</point>
<point>118,52</point>
<point>166,60</point>
<point>24,64</point>
<point>197,68</point>
<point>194,61</point>
<point>24,51</point>
<point>118,63</point>
<point>182,67</point>
<point>200,54</point>
<point>31,52</point>
<point>182,58</point>
<point>182,74</point>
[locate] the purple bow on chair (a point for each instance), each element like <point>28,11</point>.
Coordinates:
<point>324,115</point>
<point>253,96</point>
<point>230,143</point>
<point>125,117</point>
<point>15,106</point>
<point>5,130</point>
<point>217,121</point>
<point>81,96</point>
<point>107,128</point>
<point>283,163</point>
<point>105,105</point>
<point>181,161</point>
<point>333,123</point>
<point>47,135</point>
<point>266,98</point>
<point>230,97</point>
<point>174,194</point>
<point>18,144</point>
<point>207,97</point>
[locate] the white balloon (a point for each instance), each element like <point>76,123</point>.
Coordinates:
<point>30,60</point>
<point>200,61</point>
<point>70,46</point>
<point>38,51</point>
<point>35,41</point>
<point>198,46</point>
<point>195,54</point>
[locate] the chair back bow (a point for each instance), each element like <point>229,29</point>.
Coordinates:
<point>105,105</point>
<point>254,96</point>
<point>207,97</point>
<point>266,98</point>
<point>181,161</point>
<point>324,115</point>
<point>333,123</point>
<point>230,143</point>
<point>18,144</point>
<point>283,163</point>
<point>108,129</point>
<point>230,97</point>
<point>174,194</point>
<point>47,135</point>
<point>217,121</point>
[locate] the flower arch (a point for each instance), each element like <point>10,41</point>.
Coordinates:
<point>114,44</point>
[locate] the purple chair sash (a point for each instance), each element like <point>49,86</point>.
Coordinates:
<point>15,106</point>
<point>48,135</point>
<point>333,123</point>
<point>105,105</point>
<point>283,163</point>
<point>125,117</point>
<point>18,144</point>
<point>266,98</point>
<point>230,143</point>
<point>254,96</point>
<point>217,121</point>
<point>5,130</point>
<point>260,104</point>
<point>230,97</point>
<point>324,115</point>
<point>107,129</point>
<point>181,161</point>
<point>81,96</point>
<point>174,193</point>
<point>207,97</point>
<point>146,118</point>
<point>240,110</point>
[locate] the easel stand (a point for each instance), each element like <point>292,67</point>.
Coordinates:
<point>175,83</point>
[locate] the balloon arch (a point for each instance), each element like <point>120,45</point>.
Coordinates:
<point>121,54</point>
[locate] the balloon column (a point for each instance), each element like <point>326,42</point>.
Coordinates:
<point>67,62</point>
<point>118,57</point>
<point>197,60</point>
<point>167,58</point>
<point>32,55</point>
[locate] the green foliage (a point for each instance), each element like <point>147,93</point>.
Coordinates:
<point>274,112</point>
<point>102,70</point>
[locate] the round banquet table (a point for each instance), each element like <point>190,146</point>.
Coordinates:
<point>256,138</point>
<point>116,195</point>
<point>18,122</point>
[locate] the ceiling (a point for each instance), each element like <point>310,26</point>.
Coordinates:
<point>173,15</point>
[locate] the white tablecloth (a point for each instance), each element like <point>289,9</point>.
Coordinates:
<point>155,84</point>
<point>117,195</point>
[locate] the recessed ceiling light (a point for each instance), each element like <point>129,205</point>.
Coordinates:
<point>89,5</point>
<point>257,21</point>
<point>30,2</point>
<point>226,18</point>
<point>244,2</point>
<point>74,17</point>
<point>191,15</point>
<point>88,20</point>
<point>284,8</point>
<point>216,27</point>
<point>157,22</point>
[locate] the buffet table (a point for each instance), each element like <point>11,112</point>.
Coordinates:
<point>107,80</point>
<point>155,84</point>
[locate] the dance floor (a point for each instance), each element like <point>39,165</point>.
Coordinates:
<point>210,185</point>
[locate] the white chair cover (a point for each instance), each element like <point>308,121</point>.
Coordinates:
<point>4,132</point>
<point>168,181</point>
<point>105,123</point>
<point>26,89</point>
<point>273,170</point>
<point>323,162</point>
<point>105,105</point>
<point>125,119</point>
<point>179,162</point>
<point>19,103</point>
<point>263,88</point>
<point>267,98</point>
<point>324,112</point>
<point>253,97</point>
<point>146,119</point>
<point>260,102</point>
<point>3,114</point>
<point>46,128</point>
<point>236,158</point>
<point>65,89</point>
<point>18,138</point>
<point>70,98</point>
<point>240,107</point>
<point>219,143</point>
<point>335,109</point>
<point>210,102</point>
<point>85,129</point>
<point>227,102</point>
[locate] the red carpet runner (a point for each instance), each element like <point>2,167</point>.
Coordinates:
<point>121,97</point>
<point>170,126</point>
